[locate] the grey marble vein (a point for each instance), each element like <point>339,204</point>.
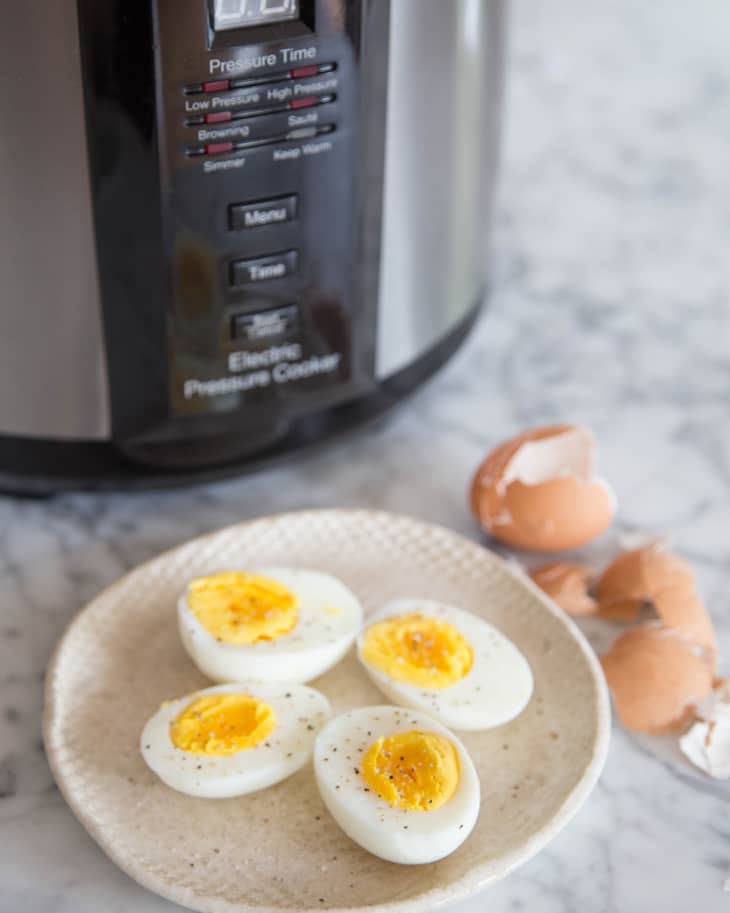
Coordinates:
<point>611,305</point>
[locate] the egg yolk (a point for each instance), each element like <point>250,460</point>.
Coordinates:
<point>240,608</point>
<point>415,771</point>
<point>418,650</point>
<point>222,724</point>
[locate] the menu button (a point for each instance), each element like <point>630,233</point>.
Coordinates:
<point>262,213</point>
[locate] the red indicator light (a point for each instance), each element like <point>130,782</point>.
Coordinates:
<point>218,148</point>
<point>304,72</point>
<point>220,85</point>
<point>303,103</point>
<point>218,118</point>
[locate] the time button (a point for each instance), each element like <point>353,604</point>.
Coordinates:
<point>263,269</point>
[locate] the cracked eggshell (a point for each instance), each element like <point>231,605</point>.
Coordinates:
<point>636,574</point>
<point>657,679</point>
<point>707,743</point>
<point>717,705</point>
<point>538,491</point>
<point>654,577</point>
<point>568,585</point>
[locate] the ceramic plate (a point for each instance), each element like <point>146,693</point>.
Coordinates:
<point>279,850</point>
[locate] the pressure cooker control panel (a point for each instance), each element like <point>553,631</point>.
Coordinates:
<point>259,134</point>
<point>246,113</point>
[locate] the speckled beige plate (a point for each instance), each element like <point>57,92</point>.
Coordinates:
<point>279,850</point>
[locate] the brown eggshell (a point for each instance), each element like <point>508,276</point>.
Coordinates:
<point>652,575</point>
<point>628,611</point>
<point>656,678</point>
<point>567,584</point>
<point>634,575</point>
<point>483,498</point>
<point>685,612</point>
<point>553,515</point>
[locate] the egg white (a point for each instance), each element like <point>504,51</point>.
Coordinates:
<point>329,617</point>
<point>496,689</point>
<point>394,834</point>
<point>300,714</point>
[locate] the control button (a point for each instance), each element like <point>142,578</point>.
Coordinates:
<point>310,102</point>
<point>219,148</point>
<point>303,133</point>
<point>263,212</point>
<point>304,72</point>
<point>219,117</point>
<point>309,132</point>
<point>217,85</point>
<point>266,324</point>
<point>264,269</point>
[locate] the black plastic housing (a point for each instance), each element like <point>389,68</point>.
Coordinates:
<point>187,386</point>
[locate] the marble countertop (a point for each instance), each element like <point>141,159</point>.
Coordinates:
<point>611,306</point>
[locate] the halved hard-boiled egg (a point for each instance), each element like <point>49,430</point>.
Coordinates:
<point>271,624</point>
<point>446,662</point>
<point>398,783</point>
<point>233,739</point>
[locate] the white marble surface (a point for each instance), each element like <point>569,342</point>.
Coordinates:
<point>611,306</point>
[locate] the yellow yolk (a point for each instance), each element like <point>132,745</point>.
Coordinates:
<point>240,608</point>
<point>418,650</point>
<point>415,771</point>
<point>222,724</point>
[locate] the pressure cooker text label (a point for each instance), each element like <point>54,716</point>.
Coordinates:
<point>277,365</point>
<point>219,66</point>
<point>246,361</point>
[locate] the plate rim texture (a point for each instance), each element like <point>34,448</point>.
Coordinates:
<point>478,876</point>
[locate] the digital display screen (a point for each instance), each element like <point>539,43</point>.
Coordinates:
<point>236,14</point>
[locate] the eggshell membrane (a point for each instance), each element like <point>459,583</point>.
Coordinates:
<point>707,745</point>
<point>492,469</point>
<point>657,678</point>
<point>567,584</point>
<point>483,494</point>
<point>557,514</point>
<point>721,688</point>
<point>652,575</point>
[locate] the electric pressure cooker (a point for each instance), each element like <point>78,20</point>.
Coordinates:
<point>232,228</point>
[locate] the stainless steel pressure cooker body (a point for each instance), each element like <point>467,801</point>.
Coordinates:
<point>232,228</point>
